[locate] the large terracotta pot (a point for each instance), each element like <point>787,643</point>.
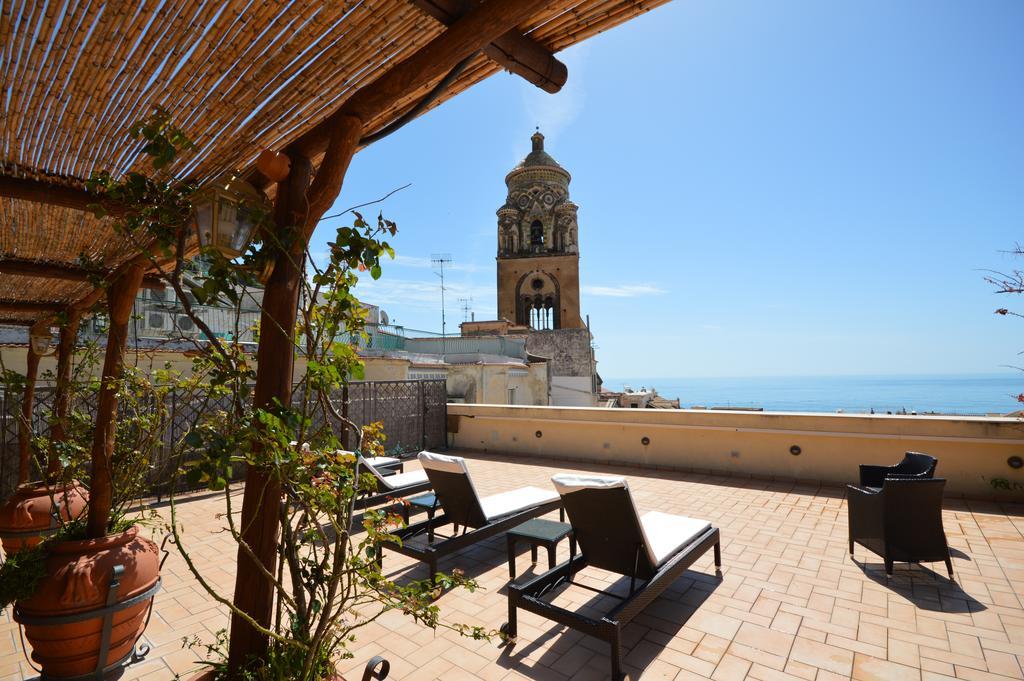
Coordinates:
<point>30,513</point>
<point>77,581</point>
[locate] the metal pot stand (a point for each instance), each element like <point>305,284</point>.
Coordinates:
<point>116,669</point>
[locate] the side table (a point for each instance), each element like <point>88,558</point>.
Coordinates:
<point>539,532</point>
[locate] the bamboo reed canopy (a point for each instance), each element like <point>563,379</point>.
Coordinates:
<point>238,76</point>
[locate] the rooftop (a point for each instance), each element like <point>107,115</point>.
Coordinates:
<point>791,604</point>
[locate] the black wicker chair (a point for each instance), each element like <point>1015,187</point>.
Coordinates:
<point>900,522</point>
<point>914,465</point>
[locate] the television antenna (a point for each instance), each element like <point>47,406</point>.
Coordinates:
<point>439,260</point>
<point>467,307</point>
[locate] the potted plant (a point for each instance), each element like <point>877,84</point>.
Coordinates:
<point>83,593</point>
<point>36,509</point>
<point>64,587</point>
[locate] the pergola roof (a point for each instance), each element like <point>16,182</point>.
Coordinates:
<point>239,77</point>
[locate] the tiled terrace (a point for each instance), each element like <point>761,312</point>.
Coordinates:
<point>791,605</point>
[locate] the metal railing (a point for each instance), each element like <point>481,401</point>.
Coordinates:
<point>413,414</point>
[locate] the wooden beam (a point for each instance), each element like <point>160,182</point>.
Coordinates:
<point>65,271</point>
<point>517,53</point>
<point>120,297</point>
<point>53,194</point>
<point>478,28</point>
<point>32,306</point>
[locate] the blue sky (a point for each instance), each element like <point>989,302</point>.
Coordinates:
<point>765,188</point>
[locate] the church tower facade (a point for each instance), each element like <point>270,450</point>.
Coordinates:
<point>538,246</point>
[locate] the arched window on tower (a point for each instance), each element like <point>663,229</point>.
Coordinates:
<point>537,235</point>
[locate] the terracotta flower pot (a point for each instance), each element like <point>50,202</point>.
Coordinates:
<point>77,581</point>
<point>28,515</point>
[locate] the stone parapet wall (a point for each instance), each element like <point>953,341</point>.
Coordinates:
<point>973,452</point>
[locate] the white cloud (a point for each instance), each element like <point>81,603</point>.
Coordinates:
<point>623,290</point>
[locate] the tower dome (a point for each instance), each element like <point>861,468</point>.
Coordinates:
<point>538,166</point>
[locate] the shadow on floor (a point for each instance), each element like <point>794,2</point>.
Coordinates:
<point>572,651</point>
<point>924,588</point>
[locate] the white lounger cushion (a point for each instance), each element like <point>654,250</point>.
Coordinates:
<point>390,482</point>
<point>566,483</point>
<point>380,461</point>
<point>399,480</point>
<point>664,534</point>
<point>442,462</point>
<point>498,505</point>
<point>447,464</point>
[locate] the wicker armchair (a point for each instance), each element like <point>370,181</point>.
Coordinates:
<point>914,465</point>
<point>901,522</point>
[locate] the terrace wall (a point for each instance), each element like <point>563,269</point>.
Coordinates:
<point>973,452</point>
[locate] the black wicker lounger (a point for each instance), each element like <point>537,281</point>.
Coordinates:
<point>389,487</point>
<point>656,549</point>
<point>478,518</point>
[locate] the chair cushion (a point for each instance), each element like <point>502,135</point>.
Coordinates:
<point>567,483</point>
<point>498,505</point>
<point>399,480</point>
<point>441,462</point>
<point>666,534</point>
<point>380,461</point>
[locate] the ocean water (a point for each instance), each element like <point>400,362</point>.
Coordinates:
<point>954,394</point>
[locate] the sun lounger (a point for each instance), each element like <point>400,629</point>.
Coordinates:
<point>479,518</point>
<point>653,550</point>
<point>388,486</point>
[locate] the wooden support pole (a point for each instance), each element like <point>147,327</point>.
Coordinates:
<point>300,204</point>
<point>27,403</point>
<point>120,297</point>
<point>62,393</point>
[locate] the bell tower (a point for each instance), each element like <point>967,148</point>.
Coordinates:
<point>538,251</point>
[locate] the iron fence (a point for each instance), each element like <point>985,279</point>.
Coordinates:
<point>413,415</point>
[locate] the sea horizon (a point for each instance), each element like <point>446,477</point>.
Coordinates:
<point>965,394</point>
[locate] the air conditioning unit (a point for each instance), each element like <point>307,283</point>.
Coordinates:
<point>186,326</point>
<point>157,321</point>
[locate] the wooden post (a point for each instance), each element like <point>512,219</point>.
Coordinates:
<point>120,298</point>
<point>300,204</point>
<point>27,404</point>
<point>62,392</point>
